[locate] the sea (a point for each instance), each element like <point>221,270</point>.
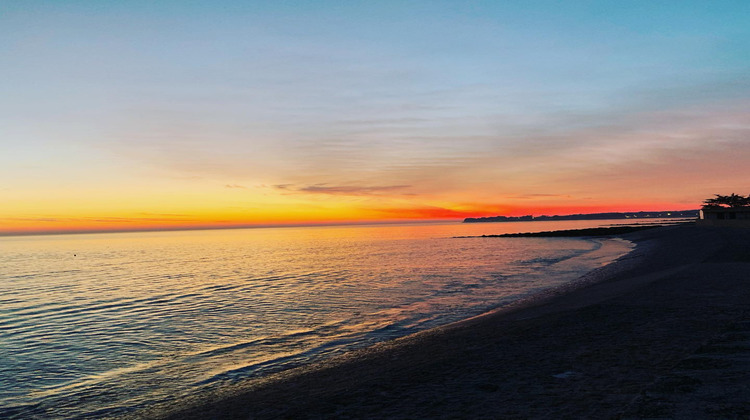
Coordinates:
<point>105,325</point>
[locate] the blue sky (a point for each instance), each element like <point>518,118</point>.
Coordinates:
<point>455,103</point>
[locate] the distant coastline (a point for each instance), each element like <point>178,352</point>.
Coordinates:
<point>677,214</point>
<point>574,233</point>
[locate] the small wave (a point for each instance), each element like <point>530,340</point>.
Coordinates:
<point>27,317</point>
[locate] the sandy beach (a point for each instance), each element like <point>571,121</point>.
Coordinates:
<point>663,332</point>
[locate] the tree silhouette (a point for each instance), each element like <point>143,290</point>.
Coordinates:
<point>727,201</point>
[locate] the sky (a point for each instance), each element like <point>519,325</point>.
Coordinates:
<point>142,114</point>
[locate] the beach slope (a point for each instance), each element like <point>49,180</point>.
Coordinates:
<point>662,332</point>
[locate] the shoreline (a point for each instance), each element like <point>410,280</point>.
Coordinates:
<point>589,348</point>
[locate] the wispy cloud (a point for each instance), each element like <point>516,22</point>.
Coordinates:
<point>165,217</point>
<point>354,190</point>
<point>534,196</point>
<point>235,186</point>
<point>33,219</point>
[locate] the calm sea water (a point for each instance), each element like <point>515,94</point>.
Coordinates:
<point>105,324</point>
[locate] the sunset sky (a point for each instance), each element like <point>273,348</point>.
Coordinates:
<point>132,114</point>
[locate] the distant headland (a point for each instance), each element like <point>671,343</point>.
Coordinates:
<point>590,216</point>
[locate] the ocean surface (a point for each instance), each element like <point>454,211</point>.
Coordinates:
<point>100,325</point>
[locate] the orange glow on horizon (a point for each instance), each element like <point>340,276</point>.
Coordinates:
<point>301,217</point>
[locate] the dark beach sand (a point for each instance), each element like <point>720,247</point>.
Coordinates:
<point>662,333</point>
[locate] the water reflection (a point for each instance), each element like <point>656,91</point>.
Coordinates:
<point>99,324</point>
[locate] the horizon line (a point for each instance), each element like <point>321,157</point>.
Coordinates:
<point>221,227</point>
<point>280,225</point>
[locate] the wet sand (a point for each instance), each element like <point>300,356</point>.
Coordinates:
<point>663,332</point>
